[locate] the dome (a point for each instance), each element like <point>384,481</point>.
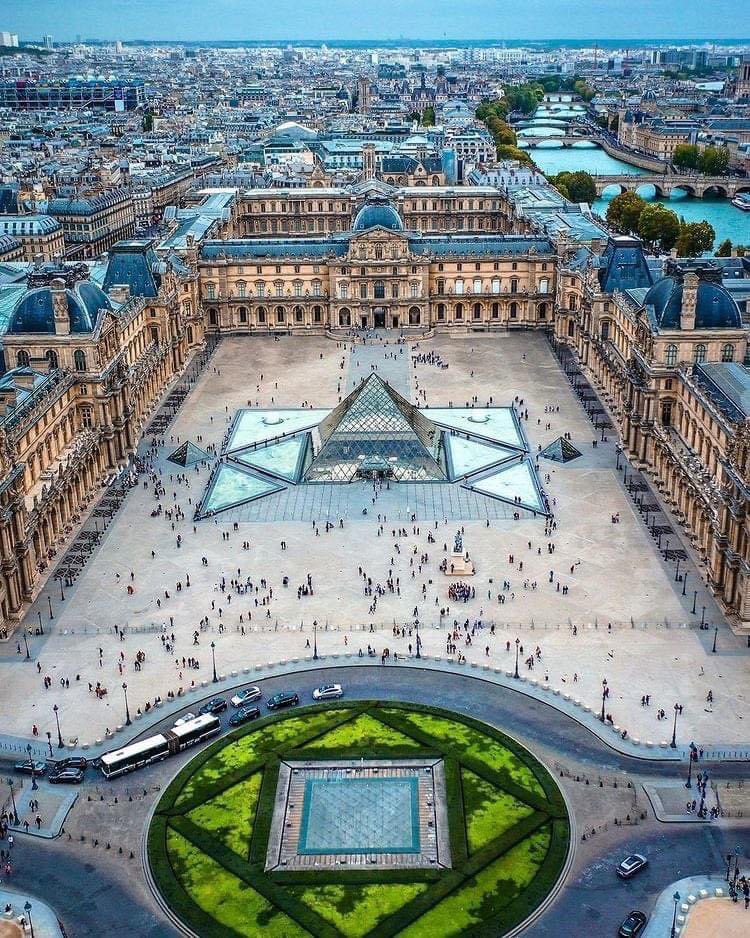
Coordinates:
<point>378,215</point>
<point>648,95</point>
<point>34,312</point>
<point>715,308</point>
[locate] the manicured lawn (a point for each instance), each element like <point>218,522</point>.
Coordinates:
<point>209,837</point>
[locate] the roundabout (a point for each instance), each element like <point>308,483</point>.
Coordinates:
<point>359,818</point>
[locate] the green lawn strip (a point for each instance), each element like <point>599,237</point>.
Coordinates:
<point>456,809</point>
<point>352,877</point>
<point>489,810</point>
<point>497,777</point>
<point>230,815</point>
<point>363,731</point>
<point>306,917</point>
<point>236,908</point>
<point>357,910</point>
<point>353,753</point>
<point>264,812</point>
<point>453,879</point>
<point>485,893</point>
<point>208,777</point>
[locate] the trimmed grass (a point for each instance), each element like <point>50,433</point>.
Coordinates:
<point>356,910</point>
<point>208,839</point>
<point>489,811</point>
<point>231,814</point>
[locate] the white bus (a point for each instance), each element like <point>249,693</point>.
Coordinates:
<point>156,748</point>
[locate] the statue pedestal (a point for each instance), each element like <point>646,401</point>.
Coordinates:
<point>459,565</point>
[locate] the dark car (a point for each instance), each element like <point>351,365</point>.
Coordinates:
<point>244,715</point>
<point>633,924</point>
<point>631,865</point>
<point>69,776</point>
<point>217,705</point>
<point>284,698</point>
<point>72,762</point>
<point>31,768</point>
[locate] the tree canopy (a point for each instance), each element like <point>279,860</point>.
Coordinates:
<point>695,238</point>
<point>577,186</point>
<point>624,211</point>
<point>658,225</point>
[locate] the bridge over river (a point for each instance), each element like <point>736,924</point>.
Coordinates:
<point>665,184</point>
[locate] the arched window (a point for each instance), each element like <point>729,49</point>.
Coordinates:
<point>379,290</point>
<point>514,310</point>
<point>243,313</point>
<point>378,252</point>
<point>542,310</point>
<point>51,357</point>
<point>441,312</point>
<point>154,334</point>
<point>495,310</point>
<point>345,317</point>
<point>280,315</point>
<point>459,311</point>
<point>477,311</point>
<point>261,314</point>
<point>699,354</point>
<point>212,319</point>
<point>298,314</point>
<point>414,316</point>
<point>605,330</point>
<point>317,314</point>
<point>727,352</point>
<point>670,356</point>
<point>572,301</point>
<point>22,359</point>
<point>571,328</point>
<point>79,360</point>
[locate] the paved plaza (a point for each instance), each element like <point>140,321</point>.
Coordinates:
<point>594,597</point>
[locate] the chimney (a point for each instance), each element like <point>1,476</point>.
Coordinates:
<point>60,307</point>
<point>689,301</point>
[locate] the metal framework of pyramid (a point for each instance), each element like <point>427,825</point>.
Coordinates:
<point>560,450</point>
<point>187,454</point>
<point>375,431</point>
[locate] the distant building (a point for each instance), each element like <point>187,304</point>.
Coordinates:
<point>8,40</point>
<point>363,95</point>
<point>39,235</point>
<point>30,95</point>
<point>92,224</point>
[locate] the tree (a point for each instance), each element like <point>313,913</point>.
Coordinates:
<point>584,90</point>
<point>428,117</point>
<point>714,161</point>
<point>659,225</point>
<point>578,186</point>
<point>685,156</point>
<point>725,248</point>
<point>695,238</point>
<point>148,121</point>
<point>505,152</point>
<point>624,211</point>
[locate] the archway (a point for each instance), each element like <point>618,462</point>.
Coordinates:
<point>378,317</point>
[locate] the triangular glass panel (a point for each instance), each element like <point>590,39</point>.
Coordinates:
<point>187,454</point>
<point>262,426</point>
<point>231,486</point>
<point>284,459</point>
<point>377,432</point>
<point>468,456</point>
<point>516,484</point>
<point>560,450</point>
<point>496,424</point>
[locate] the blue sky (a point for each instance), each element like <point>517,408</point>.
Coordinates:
<point>377,19</point>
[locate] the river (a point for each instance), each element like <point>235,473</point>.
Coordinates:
<point>727,221</point>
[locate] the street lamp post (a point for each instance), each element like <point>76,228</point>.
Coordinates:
<point>695,599</point>
<point>419,640</point>
<point>34,786</point>
<point>49,743</point>
<point>675,899</point>
<point>213,660</point>
<point>516,674</point>
<point>128,721</point>
<point>716,632</point>
<point>703,616</point>
<point>691,757</point>
<point>41,627</point>
<point>315,639</point>
<point>16,819</point>
<point>685,576</point>
<point>60,743</point>
<point>49,602</point>
<point>677,572</point>
<point>729,863</point>
<point>673,744</point>
<point>62,594</point>
<point>604,698</point>
<point>27,910</point>
<point>26,643</point>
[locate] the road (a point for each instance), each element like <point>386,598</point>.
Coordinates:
<point>90,891</point>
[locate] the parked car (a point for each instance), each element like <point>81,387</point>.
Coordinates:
<point>632,865</point>
<point>184,719</point>
<point>217,705</point>
<point>28,767</point>
<point>246,696</point>
<point>328,692</point>
<point>70,762</point>
<point>284,698</point>
<point>244,715</point>
<point>70,776</point>
<point>633,924</point>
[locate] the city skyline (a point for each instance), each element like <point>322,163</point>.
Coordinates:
<point>312,20</point>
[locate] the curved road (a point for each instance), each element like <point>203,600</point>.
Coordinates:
<point>95,898</point>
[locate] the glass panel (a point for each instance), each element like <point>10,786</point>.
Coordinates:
<point>259,426</point>
<point>515,484</point>
<point>467,456</point>
<point>496,424</point>
<point>230,487</point>
<point>279,459</point>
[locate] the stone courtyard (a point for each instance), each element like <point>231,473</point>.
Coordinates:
<point>622,616</point>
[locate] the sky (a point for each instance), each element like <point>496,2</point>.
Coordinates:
<point>211,20</point>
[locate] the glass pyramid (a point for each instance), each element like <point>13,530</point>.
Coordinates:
<point>468,456</point>
<point>560,450</point>
<point>230,487</point>
<point>187,454</point>
<point>496,424</point>
<point>516,484</point>
<point>260,426</point>
<point>377,432</point>
<point>284,459</point>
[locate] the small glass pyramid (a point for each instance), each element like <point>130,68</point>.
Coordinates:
<point>560,450</point>
<point>187,454</point>
<point>231,486</point>
<point>376,431</point>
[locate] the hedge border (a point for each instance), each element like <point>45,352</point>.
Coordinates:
<point>550,810</point>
